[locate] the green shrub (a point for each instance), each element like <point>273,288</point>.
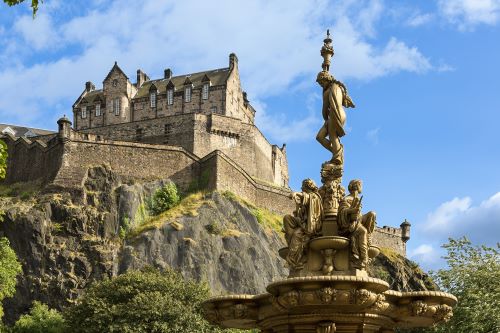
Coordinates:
<point>141,302</point>
<point>40,319</point>
<point>9,269</point>
<point>164,198</point>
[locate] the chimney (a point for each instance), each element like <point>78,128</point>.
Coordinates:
<point>89,86</point>
<point>233,61</point>
<point>141,78</point>
<point>167,74</point>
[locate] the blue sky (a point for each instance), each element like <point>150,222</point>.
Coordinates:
<point>424,136</point>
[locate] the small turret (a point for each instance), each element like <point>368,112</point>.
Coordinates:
<point>405,230</point>
<point>64,128</point>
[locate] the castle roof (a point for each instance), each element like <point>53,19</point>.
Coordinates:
<point>21,131</point>
<point>216,76</point>
<point>93,95</point>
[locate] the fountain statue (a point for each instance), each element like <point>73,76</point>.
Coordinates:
<point>328,249</point>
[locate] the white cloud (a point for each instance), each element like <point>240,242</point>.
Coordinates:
<point>39,33</point>
<point>280,128</point>
<point>425,253</point>
<point>417,19</point>
<point>457,218</point>
<point>466,14</point>
<point>280,49</point>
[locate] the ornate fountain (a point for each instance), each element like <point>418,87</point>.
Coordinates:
<point>329,247</point>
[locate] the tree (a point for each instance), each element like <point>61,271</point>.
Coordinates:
<point>34,4</point>
<point>3,159</point>
<point>164,198</point>
<point>9,269</point>
<point>473,276</point>
<point>141,301</point>
<point>41,319</point>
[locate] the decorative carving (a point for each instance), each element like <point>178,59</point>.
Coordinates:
<point>380,304</point>
<point>240,311</point>
<point>327,295</point>
<point>363,296</point>
<point>326,327</point>
<point>418,308</point>
<point>211,314</point>
<point>443,313</point>
<point>277,305</point>
<point>332,191</point>
<point>356,226</point>
<point>304,224</point>
<point>290,299</point>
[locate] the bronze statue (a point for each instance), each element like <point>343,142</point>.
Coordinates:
<point>335,98</point>
<point>304,224</point>
<point>353,224</point>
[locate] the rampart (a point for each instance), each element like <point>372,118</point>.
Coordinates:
<point>63,160</point>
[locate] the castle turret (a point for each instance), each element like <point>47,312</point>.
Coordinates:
<point>64,128</point>
<point>405,230</point>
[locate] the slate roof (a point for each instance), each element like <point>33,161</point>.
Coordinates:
<point>25,131</point>
<point>217,77</point>
<point>92,96</point>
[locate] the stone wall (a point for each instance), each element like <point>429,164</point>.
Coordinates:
<point>64,162</point>
<point>201,134</point>
<point>33,161</point>
<point>391,238</point>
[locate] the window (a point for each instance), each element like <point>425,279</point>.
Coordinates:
<point>187,94</point>
<point>97,110</point>
<point>170,96</point>
<point>204,91</point>
<point>138,134</point>
<point>116,106</point>
<point>84,112</point>
<point>213,109</point>
<point>152,98</point>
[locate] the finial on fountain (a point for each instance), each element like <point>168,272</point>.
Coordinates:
<point>327,51</point>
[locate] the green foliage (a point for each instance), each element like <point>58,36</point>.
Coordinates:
<point>34,4</point>
<point>3,159</point>
<point>141,301</point>
<point>214,228</point>
<point>9,269</point>
<point>473,276</point>
<point>40,319</point>
<point>164,198</point>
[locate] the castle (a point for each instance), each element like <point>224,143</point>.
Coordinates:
<point>196,129</point>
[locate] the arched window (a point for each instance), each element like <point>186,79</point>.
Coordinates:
<point>152,98</point>
<point>204,91</point>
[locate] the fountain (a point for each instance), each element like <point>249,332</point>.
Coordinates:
<point>329,247</point>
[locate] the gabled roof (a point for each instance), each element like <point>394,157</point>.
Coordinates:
<point>91,97</point>
<point>21,131</point>
<point>217,77</point>
<point>117,68</point>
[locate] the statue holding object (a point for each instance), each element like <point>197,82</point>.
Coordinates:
<point>304,224</point>
<point>356,226</point>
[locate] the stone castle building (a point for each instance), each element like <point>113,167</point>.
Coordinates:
<point>201,112</point>
<point>196,129</point>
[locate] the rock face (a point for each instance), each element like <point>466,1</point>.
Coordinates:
<point>64,246</point>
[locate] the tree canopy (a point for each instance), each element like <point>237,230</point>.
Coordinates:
<point>473,276</point>
<point>40,319</point>
<point>9,269</point>
<point>141,301</point>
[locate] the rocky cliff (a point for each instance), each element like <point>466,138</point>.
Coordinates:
<point>66,242</point>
